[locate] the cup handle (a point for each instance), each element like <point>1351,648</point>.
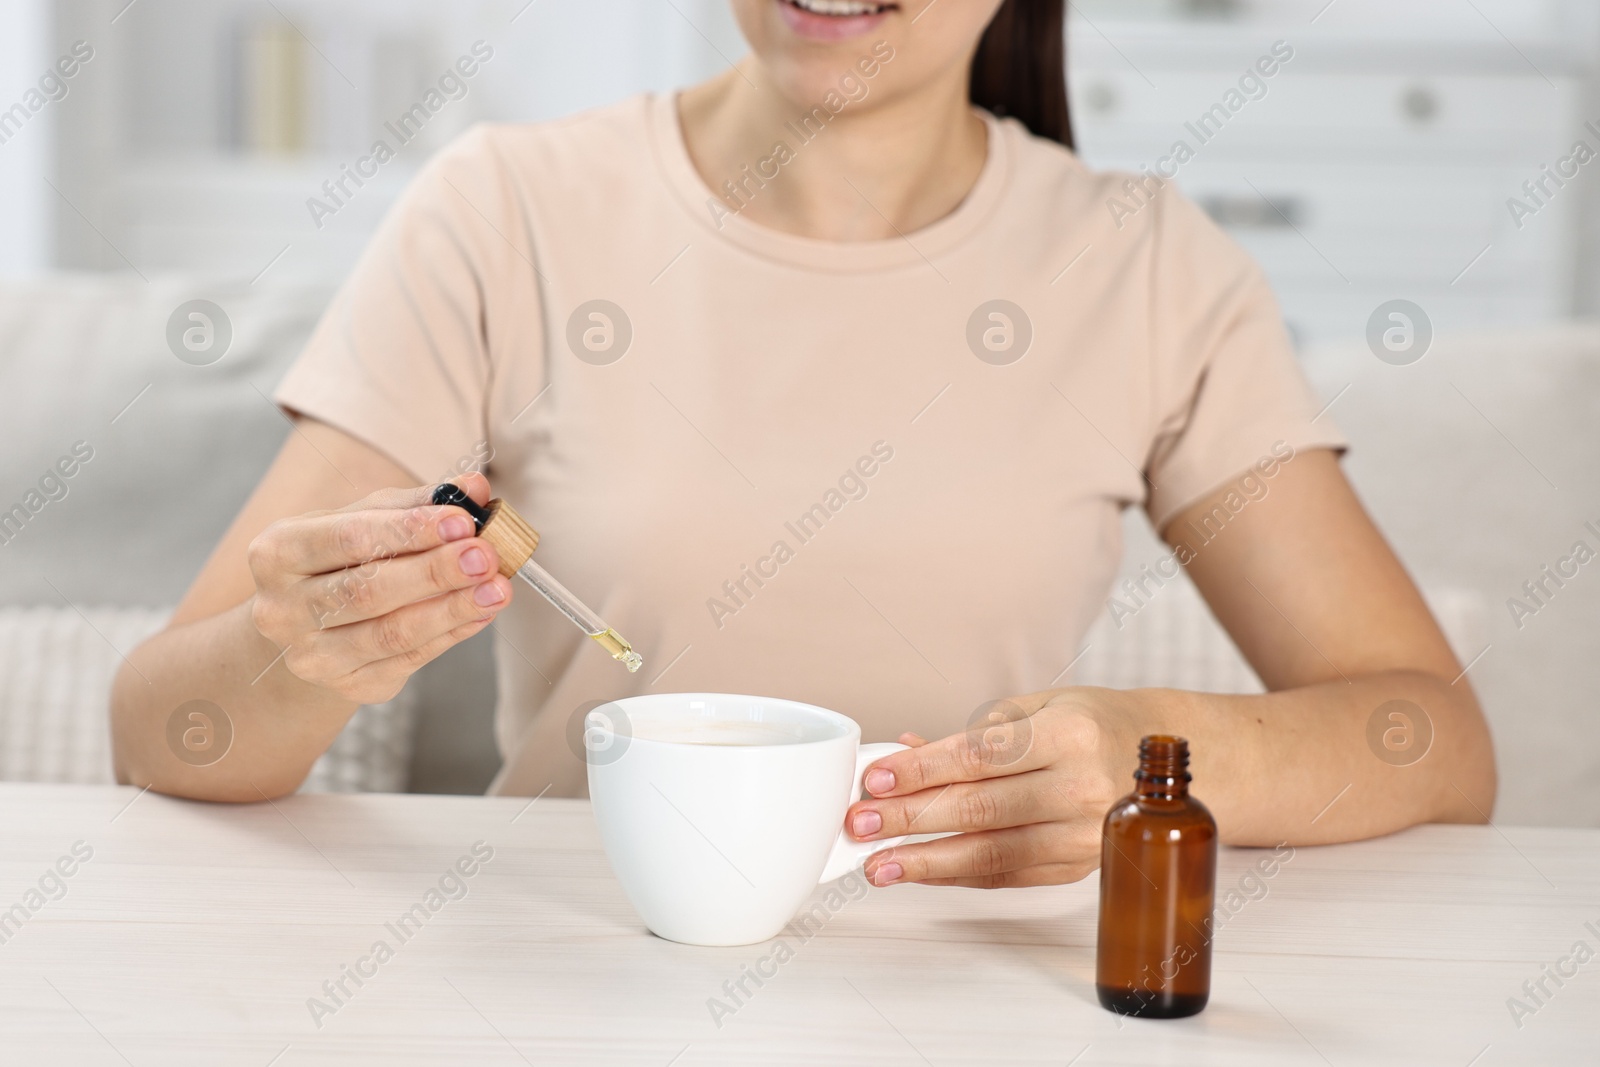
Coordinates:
<point>848,853</point>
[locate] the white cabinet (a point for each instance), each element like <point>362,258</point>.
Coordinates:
<point>1377,161</point>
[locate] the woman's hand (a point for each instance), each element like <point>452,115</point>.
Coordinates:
<point>1027,790</point>
<point>361,597</point>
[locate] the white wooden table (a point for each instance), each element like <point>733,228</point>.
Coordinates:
<point>197,934</point>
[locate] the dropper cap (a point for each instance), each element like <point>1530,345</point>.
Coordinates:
<point>514,541</point>
<point>498,523</point>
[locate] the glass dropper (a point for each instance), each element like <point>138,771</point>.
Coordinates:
<point>515,540</point>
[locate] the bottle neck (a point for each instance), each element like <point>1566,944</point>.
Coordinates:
<point>1163,767</point>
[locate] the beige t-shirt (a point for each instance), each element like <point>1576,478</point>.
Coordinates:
<point>835,473</point>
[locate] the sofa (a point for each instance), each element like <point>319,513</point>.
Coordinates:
<point>1479,461</point>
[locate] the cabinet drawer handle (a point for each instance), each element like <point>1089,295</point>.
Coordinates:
<point>1420,104</point>
<point>1253,212</point>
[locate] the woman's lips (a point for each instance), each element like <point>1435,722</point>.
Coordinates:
<point>828,27</point>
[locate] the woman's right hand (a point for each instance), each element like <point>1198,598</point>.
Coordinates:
<point>361,597</point>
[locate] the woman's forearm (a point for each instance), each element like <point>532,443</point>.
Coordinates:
<point>1301,766</point>
<point>276,723</point>
<point>331,609</point>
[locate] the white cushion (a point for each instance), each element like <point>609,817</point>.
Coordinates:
<point>56,669</point>
<point>171,471</point>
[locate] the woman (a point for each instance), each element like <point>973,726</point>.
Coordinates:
<point>821,382</point>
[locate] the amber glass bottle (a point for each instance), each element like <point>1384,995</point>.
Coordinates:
<point>1158,874</point>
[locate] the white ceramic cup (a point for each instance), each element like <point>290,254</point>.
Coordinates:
<point>720,814</point>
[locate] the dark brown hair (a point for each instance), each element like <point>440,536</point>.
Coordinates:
<point>1020,69</point>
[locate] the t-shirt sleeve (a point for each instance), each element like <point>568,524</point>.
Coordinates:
<point>1228,392</point>
<point>401,358</point>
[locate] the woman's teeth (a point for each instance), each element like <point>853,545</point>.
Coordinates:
<point>839,8</point>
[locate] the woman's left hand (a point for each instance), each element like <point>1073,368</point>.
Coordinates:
<point>1026,791</point>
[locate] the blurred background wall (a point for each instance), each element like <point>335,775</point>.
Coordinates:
<point>1378,162</point>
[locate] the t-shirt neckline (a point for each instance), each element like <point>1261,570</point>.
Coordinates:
<point>695,197</point>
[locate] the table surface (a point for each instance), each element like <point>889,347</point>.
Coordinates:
<point>204,934</point>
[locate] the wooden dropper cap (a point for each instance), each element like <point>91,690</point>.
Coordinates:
<point>510,535</point>
<point>498,523</point>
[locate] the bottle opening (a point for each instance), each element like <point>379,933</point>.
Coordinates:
<point>1163,746</point>
<point>1163,760</point>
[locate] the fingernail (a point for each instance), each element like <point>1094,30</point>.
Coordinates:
<point>866,823</point>
<point>488,594</point>
<point>887,873</point>
<point>455,528</point>
<point>879,780</point>
<point>474,562</point>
